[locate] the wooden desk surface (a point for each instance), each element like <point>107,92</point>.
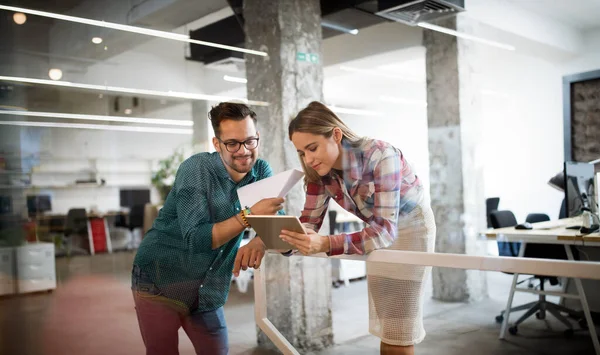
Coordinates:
<point>551,232</point>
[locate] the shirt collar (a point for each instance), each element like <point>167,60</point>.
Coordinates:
<point>352,160</point>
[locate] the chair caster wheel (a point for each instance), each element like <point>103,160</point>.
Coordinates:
<point>538,315</point>
<point>499,319</point>
<point>569,333</point>
<point>513,330</point>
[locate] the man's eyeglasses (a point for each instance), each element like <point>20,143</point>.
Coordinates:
<point>233,146</point>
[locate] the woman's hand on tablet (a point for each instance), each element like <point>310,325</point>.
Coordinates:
<point>307,243</point>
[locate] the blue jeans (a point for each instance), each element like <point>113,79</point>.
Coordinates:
<point>160,319</point>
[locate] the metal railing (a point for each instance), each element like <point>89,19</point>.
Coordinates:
<point>560,268</point>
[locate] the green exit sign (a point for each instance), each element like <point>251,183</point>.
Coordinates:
<point>307,57</point>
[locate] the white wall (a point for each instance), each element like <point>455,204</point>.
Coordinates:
<point>589,58</point>
<point>123,159</point>
<point>523,135</point>
<point>405,129</point>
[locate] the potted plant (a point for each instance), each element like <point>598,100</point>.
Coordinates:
<point>164,177</point>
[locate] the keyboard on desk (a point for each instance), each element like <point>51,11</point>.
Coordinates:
<point>554,225</point>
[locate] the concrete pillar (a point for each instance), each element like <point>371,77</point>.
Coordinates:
<point>453,112</point>
<point>202,136</point>
<point>298,288</point>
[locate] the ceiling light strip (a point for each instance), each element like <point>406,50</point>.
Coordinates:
<point>235,79</point>
<point>157,121</point>
<point>381,74</point>
<point>466,36</point>
<point>353,111</point>
<point>116,89</point>
<point>133,29</point>
<point>187,131</point>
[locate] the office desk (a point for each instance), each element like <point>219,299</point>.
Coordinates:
<point>98,232</point>
<point>551,232</point>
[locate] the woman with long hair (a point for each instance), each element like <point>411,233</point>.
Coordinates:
<point>372,180</point>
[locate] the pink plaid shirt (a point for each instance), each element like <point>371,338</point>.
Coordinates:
<point>378,186</point>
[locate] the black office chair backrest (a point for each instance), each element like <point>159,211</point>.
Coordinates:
<point>491,205</point>
<point>136,217</point>
<point>563,209</point>
<point>332,223</point>
<point>537,217</point>
<point>76,222</point>
<point>503,219</point>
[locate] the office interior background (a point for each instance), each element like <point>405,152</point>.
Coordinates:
<point>95,118</point>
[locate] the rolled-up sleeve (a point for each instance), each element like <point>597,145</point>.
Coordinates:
<point>382,229</point>
<point>315,206</point>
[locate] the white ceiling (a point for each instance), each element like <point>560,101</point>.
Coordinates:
<point>581,14</point>
<point>366,83</point>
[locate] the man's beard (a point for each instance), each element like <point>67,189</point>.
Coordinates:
<point>233,164</point>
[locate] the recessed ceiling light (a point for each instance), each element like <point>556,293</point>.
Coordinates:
<point>19,18</point>
<point>128,111</point>
<point>133,29</point>
<point>96,40</point>
<point>55,74</point>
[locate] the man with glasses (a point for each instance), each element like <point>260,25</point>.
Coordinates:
<point>183,267</point>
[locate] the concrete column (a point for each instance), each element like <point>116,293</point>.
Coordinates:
<point>298,288</point>
<point>201,138</point>
<point>454,97</point>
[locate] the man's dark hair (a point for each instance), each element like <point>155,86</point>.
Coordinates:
<point>228,111</point>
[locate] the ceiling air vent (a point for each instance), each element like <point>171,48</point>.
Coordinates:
<point>413,12</point>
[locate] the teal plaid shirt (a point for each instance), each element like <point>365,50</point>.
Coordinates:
<point>176,253</point>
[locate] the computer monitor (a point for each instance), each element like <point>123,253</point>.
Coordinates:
<point>579,188</point>
<point>132,197</point>
<point>37,204</point>
<point>5,205</point>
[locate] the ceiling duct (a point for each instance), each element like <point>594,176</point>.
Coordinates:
<point>412,12</point>
<point>230,31</point>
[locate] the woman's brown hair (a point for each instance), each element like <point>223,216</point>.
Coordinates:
<point>316,118</point>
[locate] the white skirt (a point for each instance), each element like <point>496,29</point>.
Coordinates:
<point>396,290</point>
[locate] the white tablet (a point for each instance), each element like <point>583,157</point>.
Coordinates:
<point>268,228</point>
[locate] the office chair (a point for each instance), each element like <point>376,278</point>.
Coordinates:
<point>76,232</point>
<point>502,219</point>
<point>136,217</point>
<point>491,205</point>
<point>563,210</point>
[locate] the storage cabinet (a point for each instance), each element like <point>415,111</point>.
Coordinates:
<point>35,267</point>
<point>7,271</point>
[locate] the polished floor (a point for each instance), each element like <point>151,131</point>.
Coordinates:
<point>91,312</point>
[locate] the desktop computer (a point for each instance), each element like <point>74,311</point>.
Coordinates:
<point>37,204</point>
<point>132,197</point>
<point>580,191</point>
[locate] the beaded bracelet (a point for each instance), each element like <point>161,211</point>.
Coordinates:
<point>243,216</point>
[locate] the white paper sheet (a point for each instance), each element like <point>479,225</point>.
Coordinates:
<point>275,186</point>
